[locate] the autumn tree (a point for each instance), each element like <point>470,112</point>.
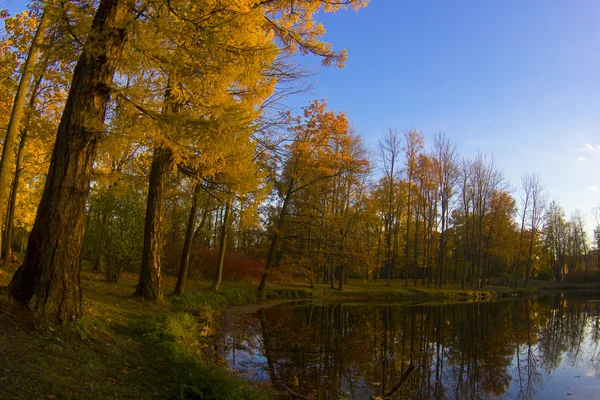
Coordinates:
<point>311,155</point>
<point>554,239</point>
<point>446,167</point>
<point>412,148</point>
<point>389,152</point>
<point>11,139</point>
<point>48,280</point>
<point>535,192</point>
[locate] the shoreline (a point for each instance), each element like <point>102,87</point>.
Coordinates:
<point>116,345</point>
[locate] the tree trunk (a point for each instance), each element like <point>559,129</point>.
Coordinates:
<point>18,109</point>
<point>187,246</point>
<point>529,258</point>
<point>222,246</point>
<point>406,248</point>
<point>275,239</point>
<point>7,249</point>
<point>22,240</point>
<point>100,264</point>
<point>443,241</point>
<point>49,279</point>
<point>149,283</point>
<point>416,246</point>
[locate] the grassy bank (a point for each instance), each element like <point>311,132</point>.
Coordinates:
<point>122,348</point>
<point>125,347</point>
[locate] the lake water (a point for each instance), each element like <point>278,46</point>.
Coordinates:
<point>538,348</point>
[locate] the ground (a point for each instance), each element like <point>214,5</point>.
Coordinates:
<point>125,347</point>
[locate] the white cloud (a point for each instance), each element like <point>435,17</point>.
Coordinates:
<point>595,188</point>
<point>582,159</point>
<point>592,148</point>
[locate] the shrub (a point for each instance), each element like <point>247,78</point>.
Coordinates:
<point>545,274</point>
<point>174,327</point>
<point>203,262</point>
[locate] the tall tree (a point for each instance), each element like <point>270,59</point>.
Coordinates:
<point>413,146</point>
<point>310,158</point>
<point>536,213</point>
<point>446,167</point>
<point>389,152</point>
<point>48,280</point>
<point>19,103</point>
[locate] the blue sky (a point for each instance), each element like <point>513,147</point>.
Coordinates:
<point>516,79</point>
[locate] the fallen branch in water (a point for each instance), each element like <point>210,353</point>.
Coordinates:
<point>294,394</point>
<point>403,379</point>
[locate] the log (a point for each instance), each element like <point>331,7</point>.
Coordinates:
<point>403,379</point>
<point>295,395</point>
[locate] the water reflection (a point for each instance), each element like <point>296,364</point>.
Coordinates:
<point>523,348</point>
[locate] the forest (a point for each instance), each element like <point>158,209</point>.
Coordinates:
<point>152,138</point>
<point>170,117</point>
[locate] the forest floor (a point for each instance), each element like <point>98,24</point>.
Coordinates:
<point>125,347</point>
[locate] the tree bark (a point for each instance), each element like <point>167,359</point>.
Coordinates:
<point>187,245</point>
<point>49,279</point>
<point>149,283</point>
<point>7,245</point>
<point>222,246</point>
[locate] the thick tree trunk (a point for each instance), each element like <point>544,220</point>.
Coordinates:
<point>7,245</point>
<point>222,246</point>
<point>149,284</point>
<point>49,279</point>
<point>18,109</point>
<point>187,245</point>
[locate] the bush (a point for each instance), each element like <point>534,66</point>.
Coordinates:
<point>173,327</point>
<point>545,274</point>
<point>593,275</point>
<point>203,262</point>
<point>115,230</point>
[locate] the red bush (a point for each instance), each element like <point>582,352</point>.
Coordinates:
<point>203,264</point>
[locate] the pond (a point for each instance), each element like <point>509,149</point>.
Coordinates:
<point>544,348</point>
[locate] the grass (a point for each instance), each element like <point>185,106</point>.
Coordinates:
<point>122,348</point>
<point>125,347</point>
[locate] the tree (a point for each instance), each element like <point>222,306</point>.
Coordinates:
<point>389,152</point>
<point>447,174</point>
<point>314,154</point>
<point>596,213</point>
<point>535,188</point>
<point>414,145</point>
<point>18,108</point>
<point>555,240</point>
<point>48,280</point>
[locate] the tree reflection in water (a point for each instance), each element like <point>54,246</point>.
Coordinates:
<point>522,348</point>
